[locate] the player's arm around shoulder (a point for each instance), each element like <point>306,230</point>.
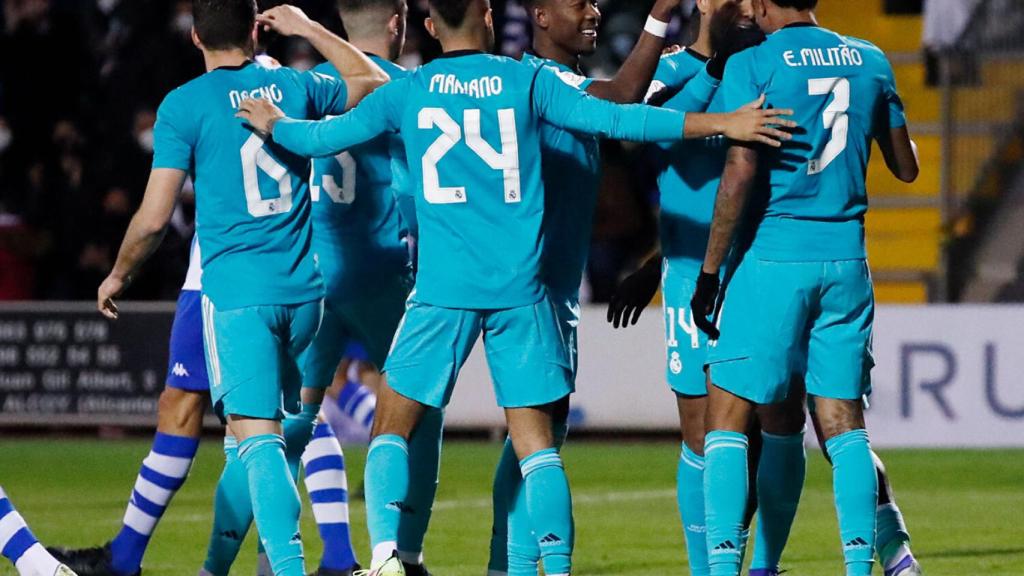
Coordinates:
<point>378,114</point>
<point>359,73</point>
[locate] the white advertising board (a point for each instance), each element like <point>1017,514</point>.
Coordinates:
<point>944,376</point>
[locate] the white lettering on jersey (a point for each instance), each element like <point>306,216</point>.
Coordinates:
<point>272,93</point>
<point>483,87</point>
<point>838,56</point>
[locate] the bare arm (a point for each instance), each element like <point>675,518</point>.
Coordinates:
<point>900,153</point>
<point>145,232</point>
<point>630,83</point>
<point>360,74</point>
<point>733,193</point>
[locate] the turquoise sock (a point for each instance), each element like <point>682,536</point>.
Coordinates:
<point>298,431</point>
<point>386,478</point>
<point>725,499</point>
<point>855,484</point>
<point>690,494</point>
<point>514,545</point>
<point>276,504</point>
<point>232,512</point>
<point>507,479</point>
<point>780,481</point>
<point>550,505</point>
<point>424,465</point>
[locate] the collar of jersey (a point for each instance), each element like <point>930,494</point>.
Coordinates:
<point>238,67</point>
<point>549,61</point>
<point>458,53</point>
<point>800,25</point>
<point>696,54</point>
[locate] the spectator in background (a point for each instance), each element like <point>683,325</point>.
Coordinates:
<point>79,80</point>
<point>945,22</point>
<point>17,245</point>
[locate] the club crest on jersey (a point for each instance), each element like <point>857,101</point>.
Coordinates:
<point>271,92</point>
<point>675,363</point>
<point>570,78</point>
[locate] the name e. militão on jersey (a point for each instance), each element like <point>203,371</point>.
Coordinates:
<point>838,56</point>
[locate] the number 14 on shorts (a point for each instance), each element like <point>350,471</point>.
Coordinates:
<point>680,319</point>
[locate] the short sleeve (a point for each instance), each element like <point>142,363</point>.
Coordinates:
<point>739,84</point>
<point>173,134</point>
<point>328,94</point>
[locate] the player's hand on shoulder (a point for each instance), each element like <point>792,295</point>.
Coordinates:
<point>752,123</point>
<point>286,20</point>
<point>634,294</point>
<point>703,302</point>
<point>111,288</point>
<point>260,113</point>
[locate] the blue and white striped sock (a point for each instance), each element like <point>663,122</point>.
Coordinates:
<point>327,485</point>
<point>19,545</point>
<point>162,474</point>
<point>358,403</point>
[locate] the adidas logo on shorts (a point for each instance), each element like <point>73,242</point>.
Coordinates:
<point>550,540</point>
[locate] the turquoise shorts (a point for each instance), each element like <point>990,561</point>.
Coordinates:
<point>252,357</point>
<point>685,345</point>
<point>525,351</point>
<point>567,311</point>
<point>805,319</point>
<point>370,321</point>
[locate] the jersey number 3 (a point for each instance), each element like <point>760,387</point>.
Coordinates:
<point>834,118</point>
<point>507,160</point>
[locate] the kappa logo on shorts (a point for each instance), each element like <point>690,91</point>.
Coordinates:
<point>179,370</point>
<point>675,363</point>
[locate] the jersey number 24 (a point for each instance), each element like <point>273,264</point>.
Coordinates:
<point>506,160</point>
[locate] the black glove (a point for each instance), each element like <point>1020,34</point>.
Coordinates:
<point>634,294</point>
<point>702,305</point>
<point>731,33</point>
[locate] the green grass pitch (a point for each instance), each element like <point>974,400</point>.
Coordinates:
<point>964,508</point>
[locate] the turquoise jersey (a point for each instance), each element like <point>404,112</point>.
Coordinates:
<point>357,231</point>
<point>252,201</point>
<point>471,123</point>
<point>812,199</point>
<point>571,170</point>
<point>691,169</point>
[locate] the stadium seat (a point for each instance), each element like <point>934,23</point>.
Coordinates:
<point>904,226</point>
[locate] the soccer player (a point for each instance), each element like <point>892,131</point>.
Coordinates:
<point>358,240</point>
<point>687,181</point>
<point>468,193</point>
<point>19,545</point>
<point>800,301</point>
<point>563,32</point>
<point>262,290</point>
